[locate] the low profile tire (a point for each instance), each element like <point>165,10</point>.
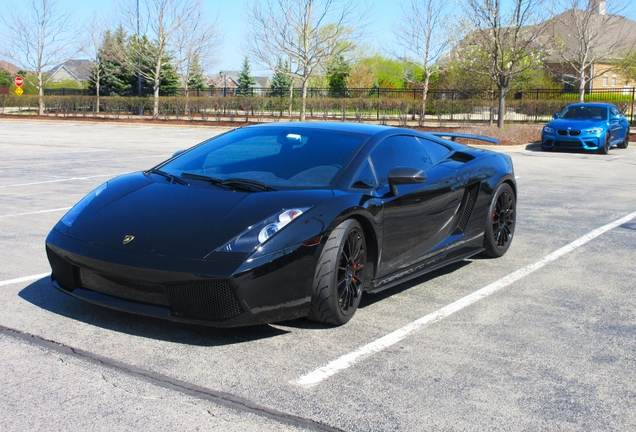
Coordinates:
<point>339,277</point>
<point>546,149</point>
<point>604,149</point>
<point>500,225</point>
<point>625,142</point>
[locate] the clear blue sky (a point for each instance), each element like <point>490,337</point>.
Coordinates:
<point>232,22</point>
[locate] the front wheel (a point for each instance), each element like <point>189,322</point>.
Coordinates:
<point>500,225</point>
<point>625,142</point>
<point>604,149</point>
<point>339,277</point>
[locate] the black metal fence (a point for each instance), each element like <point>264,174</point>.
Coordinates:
<point>360,104</point>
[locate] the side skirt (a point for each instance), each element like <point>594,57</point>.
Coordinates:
<point>397,278</point>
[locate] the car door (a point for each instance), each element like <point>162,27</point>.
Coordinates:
<point>417,219</point>
<point>617,130</point>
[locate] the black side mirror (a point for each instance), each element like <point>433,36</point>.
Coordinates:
<point>555,115</point>
<point>178,152</point>
<point>405,175</point>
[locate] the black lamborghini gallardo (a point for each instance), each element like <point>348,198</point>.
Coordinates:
<point>280,221</point>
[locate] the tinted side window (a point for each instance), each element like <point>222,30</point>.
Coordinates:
<point>404,151</point>
<point>435,150</point>
<point>365,179</point>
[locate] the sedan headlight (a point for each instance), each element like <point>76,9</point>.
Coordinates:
<point>72,214</point>
<point>594,131</point>
<point>259,233</point>
<point>548,129</point>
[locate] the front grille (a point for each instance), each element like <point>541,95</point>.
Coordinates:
<point>564,132</point>
<point>471,198</point>
<point>213,299</point>
<point>574,144</point>
<point>65,273</point>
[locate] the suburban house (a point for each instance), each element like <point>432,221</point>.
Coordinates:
<point>77,70</point>
<point>610,37</point>
<point>229,81</point>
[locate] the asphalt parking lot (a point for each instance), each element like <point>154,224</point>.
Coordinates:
<point>543,338</point>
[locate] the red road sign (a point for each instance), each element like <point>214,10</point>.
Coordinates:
<point>18,81</point>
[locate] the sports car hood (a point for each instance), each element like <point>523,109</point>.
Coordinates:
<point>576,123</point>
<point>184,221</point>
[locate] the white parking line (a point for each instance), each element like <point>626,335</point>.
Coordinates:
<point>65,180</point>
<point>312,378</point>
<point>24,279</point>
<point>36,212</point>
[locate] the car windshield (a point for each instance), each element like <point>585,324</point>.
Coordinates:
<point>584,112</point>
<point>274,157</point>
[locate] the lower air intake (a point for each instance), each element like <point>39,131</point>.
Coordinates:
<point>62,271</point>
<point>471,198</point>
<point>204,299</point>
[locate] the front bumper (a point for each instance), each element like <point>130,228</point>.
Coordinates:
<point>271,288</point>
<point>583,142</point>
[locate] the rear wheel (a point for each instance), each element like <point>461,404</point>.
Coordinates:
<point>625,142</point>
<point>604,149</point>
<point>500,225</point>
<point>339,277</point>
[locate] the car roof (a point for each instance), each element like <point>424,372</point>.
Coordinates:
<point>596,104</point>
<point>362,128</point>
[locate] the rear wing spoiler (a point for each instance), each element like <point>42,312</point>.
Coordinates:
<point>453,136</point>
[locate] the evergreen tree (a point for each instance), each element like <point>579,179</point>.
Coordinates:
<point>197,80</point>
<point>281,81</point>
<point>5,78</point>
<point>337,73</point>
<point>245,81</point>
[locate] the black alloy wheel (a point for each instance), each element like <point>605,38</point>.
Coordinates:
<point>604,149</point>
<point>500,225</point>
<point>340,275</point>
<point>625,142</point>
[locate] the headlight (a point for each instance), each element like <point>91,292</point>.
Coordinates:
<point>259,233</point>
<point>548,129</point>
<point>72,214</point>
<point>594,131</point>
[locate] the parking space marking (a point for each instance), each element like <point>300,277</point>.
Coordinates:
<point>36,212</point>
<point>24,279</point>
<point>65,180</point>
<point>316,376</point>
<point>85,160</point>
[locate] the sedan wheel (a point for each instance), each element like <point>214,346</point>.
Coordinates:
<point>500,225</point>
<point>604,149</point>
<point>339,276</point>
<point>625,142</point>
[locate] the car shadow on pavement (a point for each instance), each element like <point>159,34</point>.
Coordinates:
<point>42,295</point>
<point>369,299</point>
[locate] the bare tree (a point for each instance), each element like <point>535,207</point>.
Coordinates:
<point>589,38</point>
<point>159,22</point>
<point>504,41</point>
<point>102,48</point>
<point>424,36</point>
<point>308,33</point>
<point>196,45</point>
<point>38,35</point>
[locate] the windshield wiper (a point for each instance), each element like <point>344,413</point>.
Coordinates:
<point>241,182</point>
<point>213,180</point>
<point>172,178</point>
<point>236,183</point>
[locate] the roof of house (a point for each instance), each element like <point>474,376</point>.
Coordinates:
<point>616,34</point>
<point>78,69</point>
<point>13,69</point>
<point>231,78</point>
